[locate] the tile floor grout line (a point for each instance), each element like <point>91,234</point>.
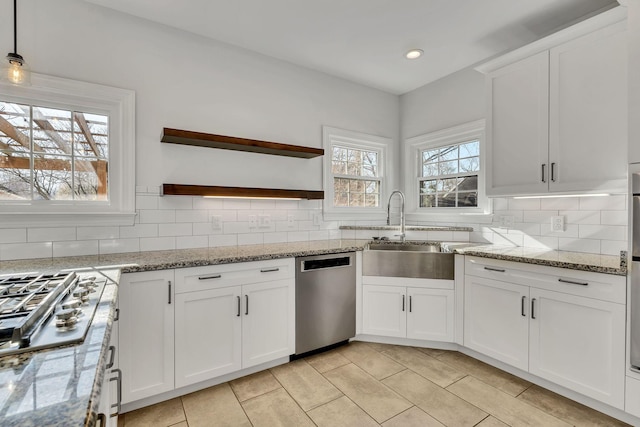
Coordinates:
<point>289,394</point>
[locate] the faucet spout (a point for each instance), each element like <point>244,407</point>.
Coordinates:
<point>402,221</point>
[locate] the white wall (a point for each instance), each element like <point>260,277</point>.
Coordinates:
<point>633,28</point>
<point>189,82</point>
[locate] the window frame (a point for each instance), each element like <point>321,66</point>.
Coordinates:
<point>414,147</point>
<point>359,141</point>
<point>119,105</point>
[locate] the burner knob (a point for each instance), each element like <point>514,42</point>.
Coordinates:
<point>88,284</point>
<point>74,303</point>
<point>65,314</point>
<point>82,294</point>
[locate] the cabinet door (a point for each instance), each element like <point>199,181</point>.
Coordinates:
<point>208,332</point>
<point>517,127</point>
<point>496,320</point>
<point>431,314</point>
<point>384,310</point>
<point>579,343</point>
<point>268,321</point>
<point>146,347</point>
<point>588,112</point>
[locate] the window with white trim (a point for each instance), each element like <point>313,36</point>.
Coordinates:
<point>447,175</point>
<point>67,154</point>
<point>354,180</point>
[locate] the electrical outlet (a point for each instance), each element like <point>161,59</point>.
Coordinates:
<point>291,221</point>
<point>216,222</point>
<point>557,223</point>
<point>506,221</point>
<point>253,221</point>
<point>264,221</point>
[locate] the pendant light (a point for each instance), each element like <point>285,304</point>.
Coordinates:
<point>17,71</point>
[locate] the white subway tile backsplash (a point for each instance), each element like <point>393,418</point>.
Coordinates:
<point>440,236</point>
<point>275,237</point>
<point>581,217</point>
<point>51,234</point>
<point>205,203</point>
<point>175,202</point>
<point>75,248</point>
<point>614,217</point>
<point>116,246</point>
<point>147,202</point>
<point>189,242</point>
<point>461,236</point>
<point>236,204</point>
<point>251,239</point>
<point>318,235</point>
<point>13,235</point>
<point>603,232</point>
<point>12,251</point>
<point>613,247</point>
<point>287,204</point>
<point>368,234</point>
<point>177,229</point>
<point>298,236</point>
<point>236,227</point>
<point>204,228</point>
<point>262,204</point>
<point>524,204</point>
<point>500,204</point>
<point>157,243</point>
<point>334,234</point>
<point>139,230</point>
<point>579,245</point>
<point>560,204</point>
<point>539,217</point>
<point>160,216</point>
<point>542,242</point>
<point>570,230</point>
<point>97,233</point>
<point>612,203</point>
<point>347,234</point>
<point>200,215</point>
<point>223,240</point>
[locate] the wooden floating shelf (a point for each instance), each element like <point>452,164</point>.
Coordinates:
<point>200,139</point>
<point>239,192</point>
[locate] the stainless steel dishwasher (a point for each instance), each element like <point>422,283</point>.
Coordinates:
<point>325,300</point>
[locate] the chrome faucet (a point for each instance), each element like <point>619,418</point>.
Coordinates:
<point>402,225</point>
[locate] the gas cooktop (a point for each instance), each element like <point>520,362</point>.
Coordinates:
<point>46,310</point>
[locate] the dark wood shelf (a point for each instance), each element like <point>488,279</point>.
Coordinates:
<point>200,139</point>
<point>216,191</point>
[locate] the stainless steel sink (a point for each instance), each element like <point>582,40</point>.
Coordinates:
<point>405,259</point>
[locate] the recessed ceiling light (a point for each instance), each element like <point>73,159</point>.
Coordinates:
<point>414,54</point>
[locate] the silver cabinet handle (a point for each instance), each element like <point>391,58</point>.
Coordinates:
<point>403,297</point>
<point>410,304</point>
<point>118,404</point>
<point>112,357</point>
<point>522,306</point>
<point>246,305</point>
<point>238,315</point>
<point>169,292</point>
<point>116,316</point>
<point>210,276</point>
<point>571,282</point>
<point>553,172</point>
<point>533,305</point>
<point>544,165</point>
<point>269,270</point>
<point>499,270</point>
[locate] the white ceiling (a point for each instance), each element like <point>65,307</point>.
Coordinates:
<point>365,40</point>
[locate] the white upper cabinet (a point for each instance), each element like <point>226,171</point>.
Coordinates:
<point>557,112</point>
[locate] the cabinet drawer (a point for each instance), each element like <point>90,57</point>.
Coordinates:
<point>218,276</point>
<point>606,287</point>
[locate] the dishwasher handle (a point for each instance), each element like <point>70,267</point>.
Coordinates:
<point>326,263</point>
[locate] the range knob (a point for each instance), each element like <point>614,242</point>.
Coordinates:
<point>66,318</point>
<point>88,284</point>
<point>82,294</point>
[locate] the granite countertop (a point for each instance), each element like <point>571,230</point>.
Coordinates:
<point>60,386</point>
<point>608,264</point>
<point>181,258</point>
<point>407,227</point>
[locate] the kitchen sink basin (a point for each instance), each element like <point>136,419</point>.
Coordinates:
<point>406,259</point>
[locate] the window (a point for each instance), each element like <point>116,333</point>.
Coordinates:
<point>450,176</point>
<point>66,154</point>
<point>53,154</point>
<point>447,174</point>
<point>354,179</point>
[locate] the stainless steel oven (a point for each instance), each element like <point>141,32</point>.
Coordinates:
<point>634,276</point>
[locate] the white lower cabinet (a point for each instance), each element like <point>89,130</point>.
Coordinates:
<point>566,327</point>
<point>242,316</point>
<point>408,312</point>
<point>146,334</point>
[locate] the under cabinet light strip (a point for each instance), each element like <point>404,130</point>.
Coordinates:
<point>555,196</point>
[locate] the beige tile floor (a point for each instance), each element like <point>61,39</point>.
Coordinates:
<point>367,384</point>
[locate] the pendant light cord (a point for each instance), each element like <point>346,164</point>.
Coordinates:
<point>15,27</point>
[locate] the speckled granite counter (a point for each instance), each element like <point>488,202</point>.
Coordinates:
<point>163,260</point>
<point>61,386</point>
<point>608,264</point>
<point>408,227</point>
